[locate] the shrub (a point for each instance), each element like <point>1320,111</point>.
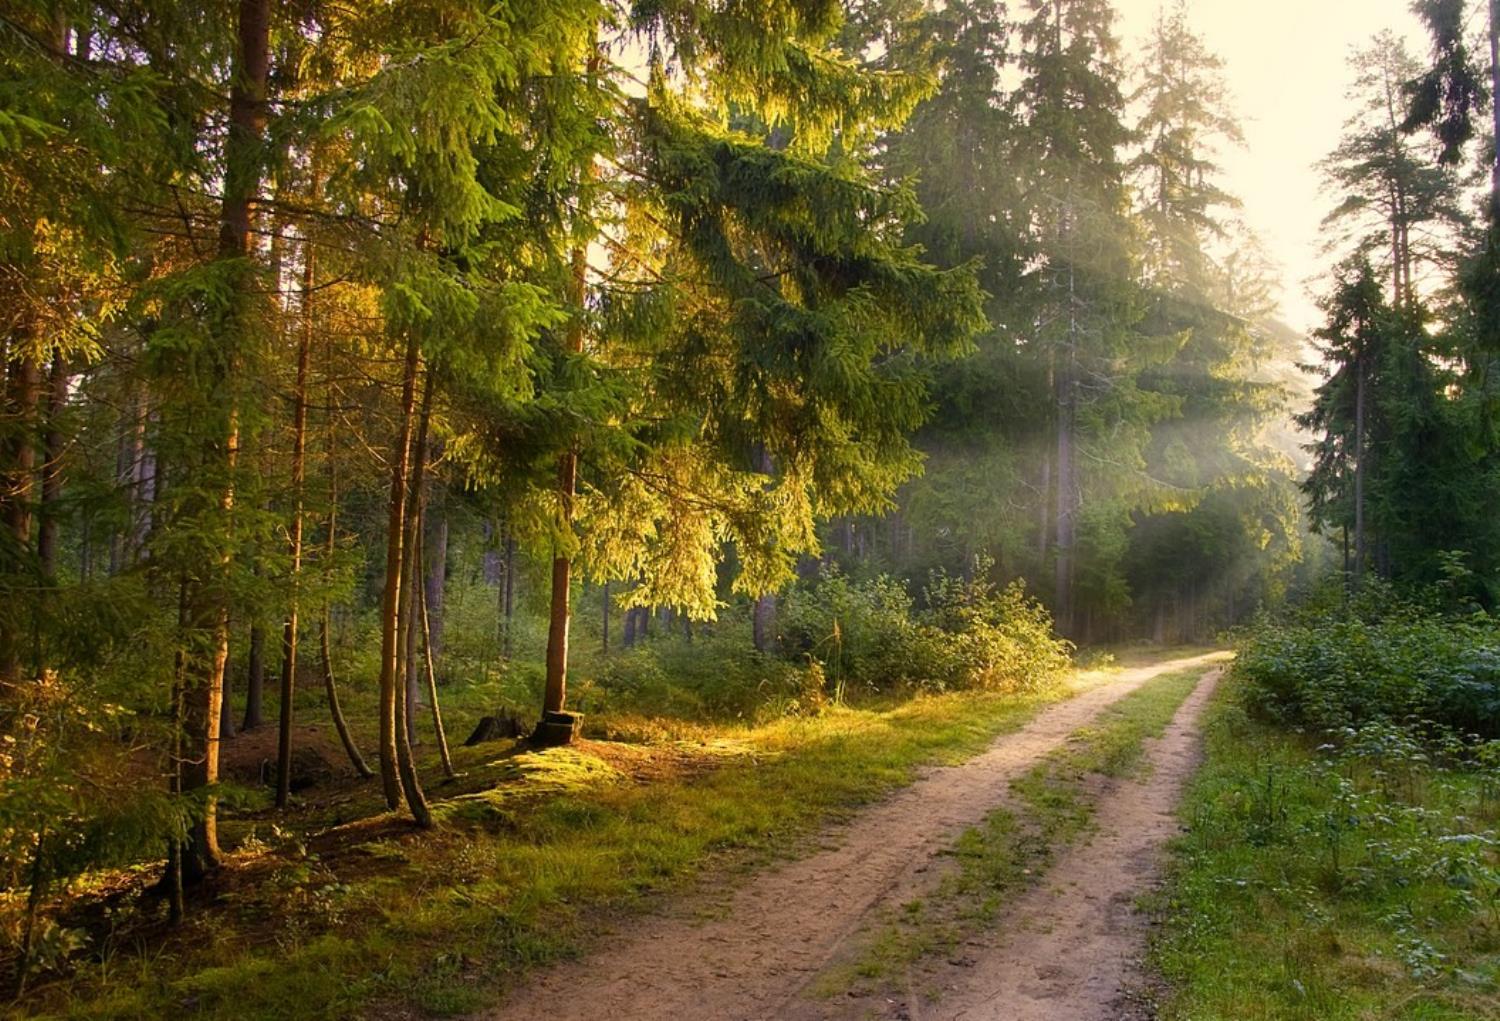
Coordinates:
<point>1405,664</point>
<point>716,675</point>
<point>970,635</point>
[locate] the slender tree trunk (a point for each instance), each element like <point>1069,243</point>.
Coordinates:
<point>508,594</point>
<point>605,602</point>
<point>294,538</point>
<point>1495,112</point>
<point>173,880</point>
<point>416,515</point>
<point>763,623</point>
<point>432,692</point>
<point>226,709</point>
<point>1360,549</point>
<point>410,648</point>
<point>207,603</point>
<point>50,513</point>
<point>560,612</point>
<point>411,592</point>
<point>17,487</point>
<point>255,679</point>
<point>390,611</point>
<point>1066,506</point>
<point>325,634</point>
<point>437,574</point>
<point>763,611</point>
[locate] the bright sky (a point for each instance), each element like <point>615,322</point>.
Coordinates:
<point>1286,65</point>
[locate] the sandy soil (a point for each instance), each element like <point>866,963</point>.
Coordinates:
<point>1071,947</point>
<point>750,954</point>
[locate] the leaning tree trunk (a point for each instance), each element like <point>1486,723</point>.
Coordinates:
<point>294,540</point>
<point>406,613</point>
<point>432,692</point>
<point>397,777</point>
<point>325,636</point>
<point>415,523</point>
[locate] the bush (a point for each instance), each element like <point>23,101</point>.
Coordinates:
<point>1403,664</point>
<point>970,635</point>
<point>999,640</point>
<point>715,675</point>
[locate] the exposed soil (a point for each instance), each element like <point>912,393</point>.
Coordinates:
<point>750,953</point>
<point>1071,946</point>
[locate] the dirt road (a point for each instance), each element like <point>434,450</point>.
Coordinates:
<point>751,955</point>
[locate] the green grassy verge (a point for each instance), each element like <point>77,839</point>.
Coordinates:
<point>393,920</point>
<point>1054,806</point>
<point>1325,884</point>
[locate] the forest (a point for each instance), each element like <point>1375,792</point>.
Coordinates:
<point>724,414</point>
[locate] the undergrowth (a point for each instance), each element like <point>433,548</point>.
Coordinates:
<point>384,919</point>
<point>1343,853</point>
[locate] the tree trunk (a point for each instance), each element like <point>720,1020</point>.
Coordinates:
<point>325,634</point>
<point>406,615</point>
<point>52,469</point>
<point>207,603</point>
<point>763,623</point>
<point>432,692</point>
<point>1495,113</point>
<point>560,611</point>
<point>410,647</point>
<point>255,680</point>
<point>605,602</point>
<point>390,608</point>
<point>436,575</point>
<point>763,612</point>
<point>628,639</point>
<point>294,539</point>
<point>415,526</point>
<point>226,708</point>
<point>1359,468</point>
<point>508,594</point>
<point>17,483</point>
<point>1066,507</point>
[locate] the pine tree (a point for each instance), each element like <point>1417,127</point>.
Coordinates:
<point>1083,303</point>
<point>1396,207</point>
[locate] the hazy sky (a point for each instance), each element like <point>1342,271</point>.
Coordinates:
<point>1286,65</point>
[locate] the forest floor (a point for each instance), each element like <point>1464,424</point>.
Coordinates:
<point>1003,886</point>
<point>852,863</point>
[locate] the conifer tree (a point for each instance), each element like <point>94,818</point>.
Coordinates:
<point>1083,303</point>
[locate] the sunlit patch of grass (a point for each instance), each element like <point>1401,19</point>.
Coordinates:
<point>1311,887</point>
<point>373,918</point>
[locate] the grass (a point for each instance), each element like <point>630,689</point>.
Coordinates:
<point>1053,807</point>
<point>374,918</point>
<point>1331,884</point>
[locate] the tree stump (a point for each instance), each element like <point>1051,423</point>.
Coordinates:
<point>556,729</point>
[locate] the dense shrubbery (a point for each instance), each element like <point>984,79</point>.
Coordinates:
<point>839,638</point>
<point>1306,860</point>
<point>968,635</point>
<point>1377,661</point>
